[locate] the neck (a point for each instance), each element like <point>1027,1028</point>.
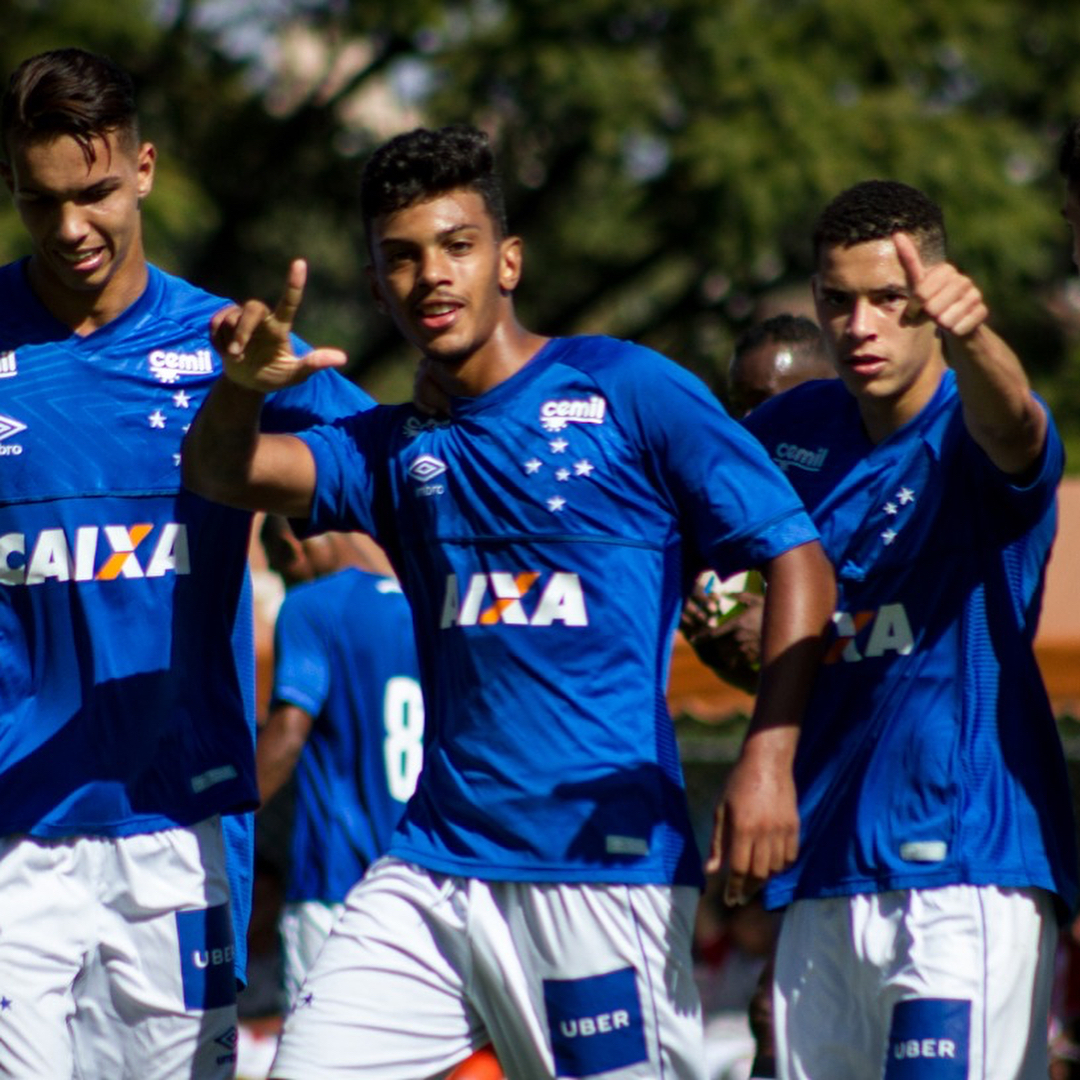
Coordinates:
<point>504,354</point>
<point>85,312</point>
<point>882,416</point>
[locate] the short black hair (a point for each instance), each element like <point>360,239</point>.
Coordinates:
<point>423,164</point>
<point>1069,155</point>
<point>784,329</point>
<point>68,92</point>
<point>874,210</point>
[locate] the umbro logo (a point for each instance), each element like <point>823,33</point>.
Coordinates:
<point>425,468</point>
<point>10,427</point>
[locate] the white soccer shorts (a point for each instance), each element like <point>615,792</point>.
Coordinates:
<point>304,927</point>
<point>568,980</point>
<point>950,983</point>
<point>116,957</point>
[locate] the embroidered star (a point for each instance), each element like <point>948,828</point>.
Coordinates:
<point>583,467</point>
<point>888,536</point>
<point>185,428</point>
<point>176,460</point>
<point>562,474</point>
<point>556,503</point>
<point>533,466</point>
<point>157,419</point>
<point>891,509</point>
<point>181,399</point>
<point>905,495</point>
<point>5,1003</point>
<point>306,1000</point>
<point>558,446</point>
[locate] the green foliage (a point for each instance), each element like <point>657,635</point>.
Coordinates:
<point>666,160</point>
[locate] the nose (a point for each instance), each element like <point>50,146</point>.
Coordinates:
<point>434,268</point>
<point>70,223</point>
<point>859,323</point>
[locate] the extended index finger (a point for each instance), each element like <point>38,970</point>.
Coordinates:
<point>909,257</point>
<point>292,294</point>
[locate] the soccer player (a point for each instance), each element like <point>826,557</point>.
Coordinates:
<point>722,619</point>
<point>773,356</point>
<point>346,715</point>
<point>541,886</point>
<point>126,652</point>
<point>937,832</point>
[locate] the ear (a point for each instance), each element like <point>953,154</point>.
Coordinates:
<point>376,292</point>
<point>145,163</point>
<point>511,258</point>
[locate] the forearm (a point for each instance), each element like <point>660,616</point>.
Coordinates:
<point>1000,411</point>
<point>226,459</point>
<point>799,605</point>
<point>278,749</point>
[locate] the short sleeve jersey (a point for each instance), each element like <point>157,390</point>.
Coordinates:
<point>929,754</point>
<point>126,646</point>
<point>344,653</point>
<point>544,538</point>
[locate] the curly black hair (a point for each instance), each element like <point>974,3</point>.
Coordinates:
<point>422,164</point>
<point>874,210</point>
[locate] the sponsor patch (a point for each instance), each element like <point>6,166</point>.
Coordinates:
<point>555,415</point>
<point>595,1023</point>
<point>929,1040</point>
<point>206,957</point>
<point>8,365</point>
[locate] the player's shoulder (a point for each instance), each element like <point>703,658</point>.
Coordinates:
<point>816,403</point>
<point>178,299</point>
<point>603,356</point>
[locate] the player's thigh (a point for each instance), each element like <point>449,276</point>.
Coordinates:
<point>576,980</point>
<point>943,984</point>
<point>969,989</point>
<point>826,1020</point>
<point>386,997</point>
<point>47,923</point>
<point>304,926</point>
<point>159,993</point>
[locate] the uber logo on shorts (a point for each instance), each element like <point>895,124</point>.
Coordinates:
<point>206,957</point>
<point>929,1040</point>
<point>595,1023</point>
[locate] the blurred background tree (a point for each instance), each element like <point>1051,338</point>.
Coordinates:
<point>666,160</point>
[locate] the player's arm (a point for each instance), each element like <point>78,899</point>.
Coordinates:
<point>1000,411</point>
<point>225,457</point>
<point>756,831</point>
<point>281,741</point>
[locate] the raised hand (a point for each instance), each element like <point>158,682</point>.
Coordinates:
<point>940,292</point>
<point>254,341</point>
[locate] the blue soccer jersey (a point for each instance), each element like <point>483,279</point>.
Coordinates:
<point>929,754</point>
<point>344,653</point>
<point>545,538</point>
<point>126,638</point>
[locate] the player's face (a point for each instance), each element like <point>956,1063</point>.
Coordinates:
<point>444,276</point>
<point>760,373</point>
<point>83,217</point>
<point>1071,212</point>
<point>892,364</point>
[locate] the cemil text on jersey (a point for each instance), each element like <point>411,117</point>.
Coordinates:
<point>520,599</point>
<point>168,365</point>
<point>555,415</point>
<point>94,553</point>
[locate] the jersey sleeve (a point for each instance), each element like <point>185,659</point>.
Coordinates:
<point>733,503</point>
<point>347,457</point>
<point>324,397</point>
<point>301,659</point>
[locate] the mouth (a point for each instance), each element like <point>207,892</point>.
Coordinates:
<point>865,366</point>
<point>83,262</point>
<point>437,315</point>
